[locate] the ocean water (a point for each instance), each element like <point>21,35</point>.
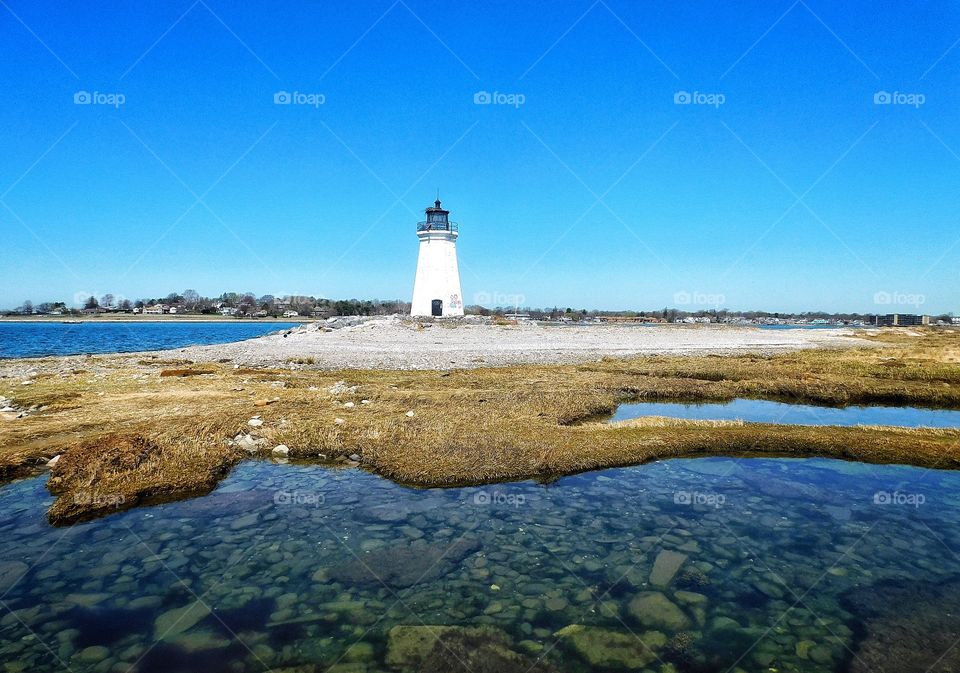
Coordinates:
<point>35,339</point>
<point>766,411</point>
<point>696,565</point>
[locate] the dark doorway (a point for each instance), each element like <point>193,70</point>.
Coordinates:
<point>436,307</point>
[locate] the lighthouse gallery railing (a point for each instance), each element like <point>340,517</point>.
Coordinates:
<point>437,226</point>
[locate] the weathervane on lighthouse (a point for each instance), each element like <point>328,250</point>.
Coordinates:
<point>436,290</point>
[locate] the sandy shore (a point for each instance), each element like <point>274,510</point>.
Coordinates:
<point>393,343</point>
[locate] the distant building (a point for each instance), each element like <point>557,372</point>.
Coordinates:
<point>901,320</point>
<point>291,314</point>
<point>155,309</point>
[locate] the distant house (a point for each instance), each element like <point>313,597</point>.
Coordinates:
<point>291,314</point>
<point>154,309</point>
<point>137,309</point>
<point>261,314</point>
<point>321,312</point>
<point>227,310</point>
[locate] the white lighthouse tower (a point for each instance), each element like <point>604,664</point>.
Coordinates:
<point>436,290</point>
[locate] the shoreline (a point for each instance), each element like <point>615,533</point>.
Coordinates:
<point>404,343</point>
<point>147,319</point>
<point>140,430</point>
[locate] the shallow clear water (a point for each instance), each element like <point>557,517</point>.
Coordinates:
<point>713,563</point>
<point>766,411</point>
<point>35,339</point>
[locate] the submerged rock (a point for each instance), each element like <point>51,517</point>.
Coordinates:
<point>10,573</point>
<point>665,567</point>
<point>455,649</point>
<point>612,649</point>
<point>654,610</point>
<point>404,565</point>
<point>91,655</point>
<point>174,622</point>
<point>199,640</point>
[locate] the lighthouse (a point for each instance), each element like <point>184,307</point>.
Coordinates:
<point>436,290</point>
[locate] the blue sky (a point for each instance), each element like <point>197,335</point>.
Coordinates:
<point>782,185</point>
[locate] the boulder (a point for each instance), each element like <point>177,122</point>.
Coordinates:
<point>10,573</point>
<point>404,565</point>
<point>654,610</point>
<point>665,567</point>
<point>455,649</point>
<point>606,648</point>
<point>174,622</point>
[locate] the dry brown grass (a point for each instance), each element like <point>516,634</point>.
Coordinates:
<point>133,435</point>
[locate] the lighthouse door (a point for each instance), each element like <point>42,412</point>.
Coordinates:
<point>436,307</point>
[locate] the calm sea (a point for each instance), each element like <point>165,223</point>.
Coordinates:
<point>35,339</point>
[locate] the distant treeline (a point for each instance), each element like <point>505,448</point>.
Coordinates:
<point>228,303</point>
<point>249,304</point>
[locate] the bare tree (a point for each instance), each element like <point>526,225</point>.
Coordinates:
<point>191,298</point>
<point>107,300</point>
<point>27,307</point>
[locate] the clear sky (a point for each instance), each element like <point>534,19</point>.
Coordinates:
<point>780,185</point>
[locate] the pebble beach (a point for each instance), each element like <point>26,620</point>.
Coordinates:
<point>402,343</point>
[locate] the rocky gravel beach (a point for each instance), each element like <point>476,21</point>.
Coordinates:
<point>403,343</point>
